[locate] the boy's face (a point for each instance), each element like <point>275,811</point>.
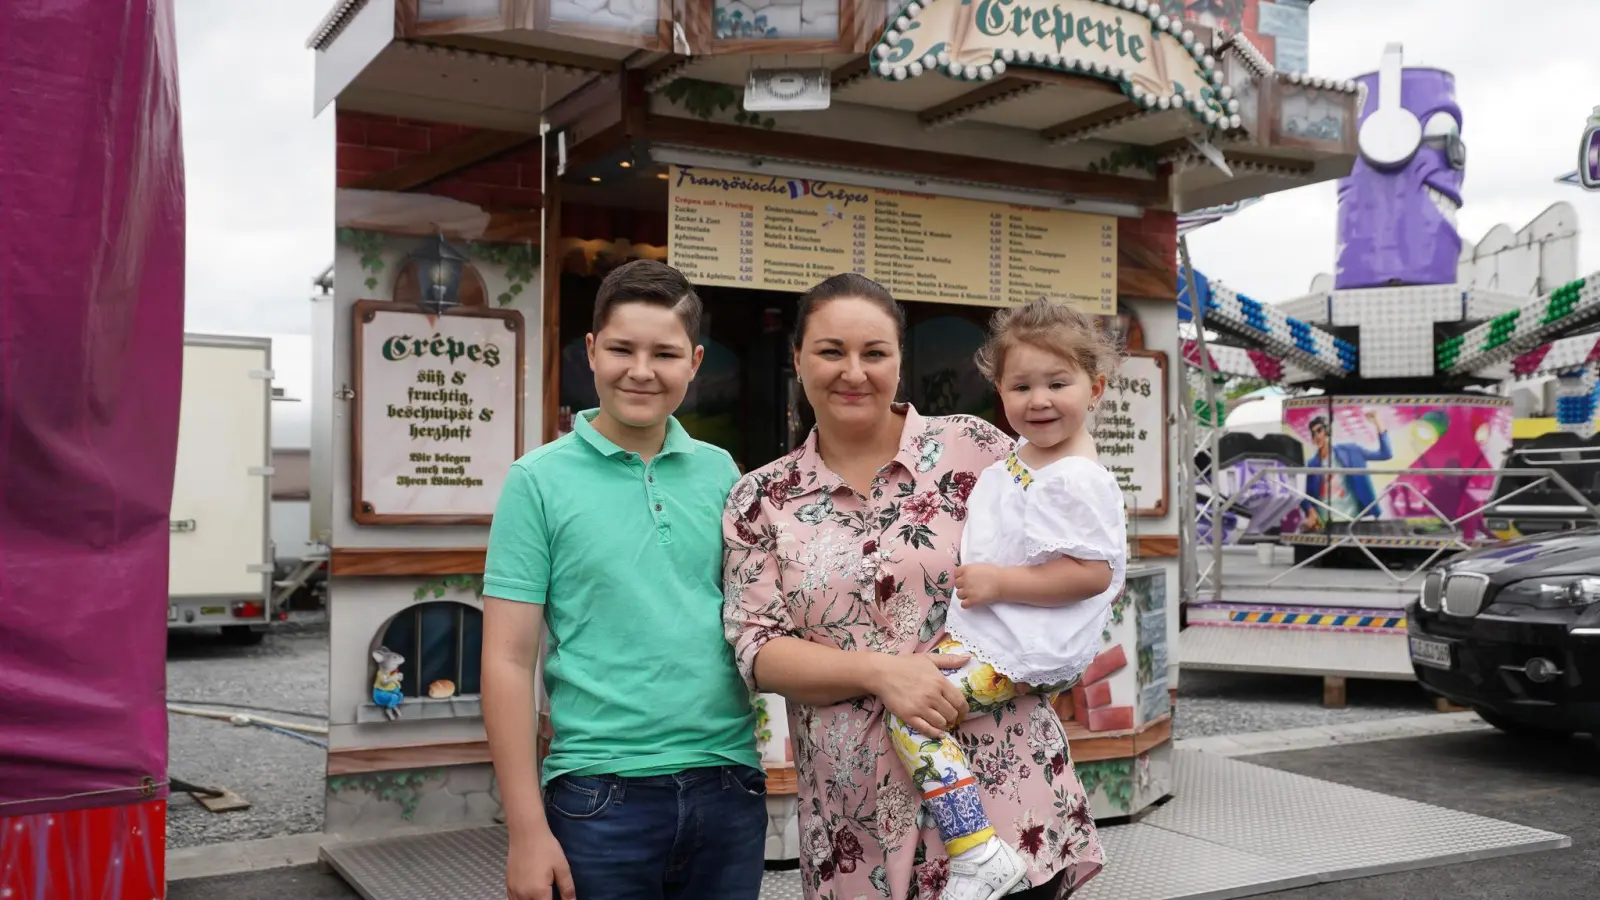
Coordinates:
<point>643,361</point>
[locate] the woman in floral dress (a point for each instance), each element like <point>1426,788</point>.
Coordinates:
<point>840,561</point>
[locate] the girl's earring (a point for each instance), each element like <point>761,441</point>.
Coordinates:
<point>1091,407</point>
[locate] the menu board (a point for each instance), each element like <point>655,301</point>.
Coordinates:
<point>787,234</point>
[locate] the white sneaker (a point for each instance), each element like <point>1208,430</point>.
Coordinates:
<point>989,874</point>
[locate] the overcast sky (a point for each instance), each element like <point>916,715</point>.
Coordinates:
<point>260,168</point>
<point>1527,78</point>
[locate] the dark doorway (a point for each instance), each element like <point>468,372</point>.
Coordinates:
<point>744,398</point>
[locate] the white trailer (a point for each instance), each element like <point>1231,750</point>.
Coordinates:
<point>220,572</point>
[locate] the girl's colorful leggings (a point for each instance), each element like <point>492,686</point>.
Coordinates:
<point>940,766</point>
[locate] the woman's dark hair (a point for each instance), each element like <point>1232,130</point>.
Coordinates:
<point>848,284</point>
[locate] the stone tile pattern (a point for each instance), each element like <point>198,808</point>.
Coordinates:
<point>379,802</point>
<point>631,16</point>
<point>776,19</point>
<point>783,828</point>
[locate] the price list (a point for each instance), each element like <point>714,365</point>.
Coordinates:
<point>1049,254</point>
<point>713,241</point>
<point>802,242</point>
<point>931,248</point>
<point>788,234</point>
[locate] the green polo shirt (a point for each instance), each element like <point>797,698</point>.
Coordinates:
<point>626,558</point>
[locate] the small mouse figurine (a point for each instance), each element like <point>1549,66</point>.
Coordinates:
<point>386,686</point>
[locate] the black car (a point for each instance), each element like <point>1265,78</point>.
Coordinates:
<point>1513,632</point>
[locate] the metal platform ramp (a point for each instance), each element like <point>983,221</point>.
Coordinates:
<point>1233,829</point>
<point>1284,651</point>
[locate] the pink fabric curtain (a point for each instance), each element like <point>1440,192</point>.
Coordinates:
<point>91,343</point>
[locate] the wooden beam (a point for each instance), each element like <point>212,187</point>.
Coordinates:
<point>356,761</point>
<point>468,151</point>
<point>1156,545</point>
<point>850,70</point>
<point>999,90</point>
<point>1333,692</point>
<point>548,55</point>
<point>1073,126</point>
<point>349,562</point>
<point>1082,83</point>
<point>550,309</point>
<point>858,154</point>
<point>509,226</point>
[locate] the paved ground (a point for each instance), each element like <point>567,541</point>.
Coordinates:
<point>1212,703</point>
<point>288,674</point>
<point>1544,786</point>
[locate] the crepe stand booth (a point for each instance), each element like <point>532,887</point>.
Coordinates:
<point>497,157</point>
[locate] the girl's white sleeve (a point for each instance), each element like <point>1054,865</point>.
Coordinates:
<point>1077,512</point>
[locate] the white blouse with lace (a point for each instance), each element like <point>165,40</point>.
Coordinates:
<point>1019,517</point>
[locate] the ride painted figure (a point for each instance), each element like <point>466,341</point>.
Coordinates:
<point>1397,208</point>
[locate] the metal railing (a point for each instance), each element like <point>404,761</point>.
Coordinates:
<point>1450,536</point>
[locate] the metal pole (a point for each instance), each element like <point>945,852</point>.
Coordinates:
<point>1198,315</point>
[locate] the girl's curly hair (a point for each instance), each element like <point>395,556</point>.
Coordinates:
<point>1054,328</point>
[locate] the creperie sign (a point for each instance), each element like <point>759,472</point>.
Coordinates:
<point>1065,30</point>
<point>1094,38</point>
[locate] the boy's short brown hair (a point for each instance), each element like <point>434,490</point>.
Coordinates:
<point>652,282</point>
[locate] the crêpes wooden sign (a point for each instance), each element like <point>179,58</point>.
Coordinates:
<point>1159,64</point>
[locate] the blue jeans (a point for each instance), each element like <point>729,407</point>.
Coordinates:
<point>697,835</point>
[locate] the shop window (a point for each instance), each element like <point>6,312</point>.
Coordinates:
<point>442,640</point>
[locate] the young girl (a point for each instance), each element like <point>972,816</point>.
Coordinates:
<point>1043,556</point>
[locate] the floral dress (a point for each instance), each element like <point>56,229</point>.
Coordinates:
<point>809,557</point>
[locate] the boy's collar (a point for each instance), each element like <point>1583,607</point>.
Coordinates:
<point>677,440</point>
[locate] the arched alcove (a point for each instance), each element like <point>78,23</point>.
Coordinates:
<point>440,640</point>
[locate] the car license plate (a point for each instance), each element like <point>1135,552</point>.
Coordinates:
<point>213,610</point>
<point>1427,652</point>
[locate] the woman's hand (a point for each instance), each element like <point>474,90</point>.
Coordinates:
<point>537,870</point>
<point>977,584</point>
<point>915,688</point>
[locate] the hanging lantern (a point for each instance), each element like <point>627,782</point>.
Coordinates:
<point>437,267</point>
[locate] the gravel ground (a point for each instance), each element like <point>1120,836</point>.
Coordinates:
<point>1212,703</point>
<point>281,777</point>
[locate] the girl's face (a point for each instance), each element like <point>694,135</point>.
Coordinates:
<point>1046,397</point>
<point>849,363</point>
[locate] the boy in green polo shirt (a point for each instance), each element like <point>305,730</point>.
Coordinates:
<point>611,537</point>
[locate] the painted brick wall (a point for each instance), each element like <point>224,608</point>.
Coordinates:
<point>371,144</point>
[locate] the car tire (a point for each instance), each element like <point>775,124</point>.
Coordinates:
<point>1522,729</point>
<point>242,635</point>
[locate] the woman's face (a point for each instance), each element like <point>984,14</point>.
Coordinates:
<point>849,363</point>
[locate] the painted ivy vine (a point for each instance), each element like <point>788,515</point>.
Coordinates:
<point>517,260</point>
<point>370,245</point>
<point>438,587</point>
<point>1142,158</point>
<point>763,720</point>
<point>404,788</point>
<point>733,24</point>
<point>1112,776</point>
<point>704,99</point>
